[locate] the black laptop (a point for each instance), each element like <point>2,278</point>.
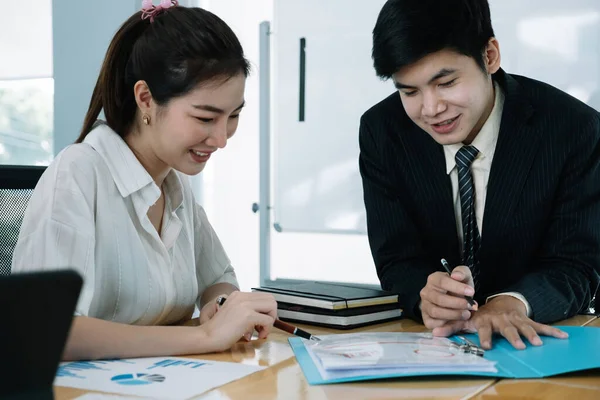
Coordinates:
<point>36,313</point>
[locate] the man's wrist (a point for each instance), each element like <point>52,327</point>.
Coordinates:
<point>510,302</point>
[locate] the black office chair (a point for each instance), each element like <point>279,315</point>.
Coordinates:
<point>16,186</point>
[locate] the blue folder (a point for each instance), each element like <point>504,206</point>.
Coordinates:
<point>581,351</point>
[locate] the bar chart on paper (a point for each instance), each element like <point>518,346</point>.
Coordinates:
<point>174,363</point>
<point>157,377</point>
<point>76,369</point>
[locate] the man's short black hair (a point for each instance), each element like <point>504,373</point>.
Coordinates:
<point>408,30</point>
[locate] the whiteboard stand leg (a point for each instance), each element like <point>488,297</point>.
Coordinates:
<point>265,152</point>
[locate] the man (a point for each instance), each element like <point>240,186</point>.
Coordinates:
<point>496,173</point>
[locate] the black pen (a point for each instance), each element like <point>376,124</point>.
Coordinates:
<point>447,268</point>
<point>294,330</point>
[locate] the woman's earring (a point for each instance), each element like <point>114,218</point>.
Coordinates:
<point>146,119</point>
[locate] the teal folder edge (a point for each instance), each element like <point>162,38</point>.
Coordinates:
<point>557,356</point>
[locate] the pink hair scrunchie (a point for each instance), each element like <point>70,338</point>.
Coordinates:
<point>149,10</point>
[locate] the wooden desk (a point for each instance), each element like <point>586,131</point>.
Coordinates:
<point>283,378</point>
<point>595,322</point>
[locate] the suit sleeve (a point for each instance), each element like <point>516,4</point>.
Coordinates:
<point>568,266</point>
<point>395,243</point>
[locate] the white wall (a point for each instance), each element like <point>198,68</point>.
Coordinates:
<point>82,31</point>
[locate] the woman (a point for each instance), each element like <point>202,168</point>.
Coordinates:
<point>117,206</point>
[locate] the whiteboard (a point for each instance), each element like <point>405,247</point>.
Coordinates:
<point>317,185</point>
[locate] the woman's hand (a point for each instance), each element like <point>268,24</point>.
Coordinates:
<point>240,314</point>
<point>209,310</point>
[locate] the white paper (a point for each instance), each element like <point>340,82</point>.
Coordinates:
<point>376,354</point>
<point>157,378</point>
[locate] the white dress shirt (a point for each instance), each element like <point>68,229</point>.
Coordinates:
<point>485,142</point>
<point>89,212</point>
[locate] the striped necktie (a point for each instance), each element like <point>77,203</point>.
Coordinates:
<point>466,189</point>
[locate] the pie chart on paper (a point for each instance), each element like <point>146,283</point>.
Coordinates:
<point>137,379</point>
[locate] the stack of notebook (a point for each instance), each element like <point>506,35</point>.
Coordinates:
<point>337,306</point>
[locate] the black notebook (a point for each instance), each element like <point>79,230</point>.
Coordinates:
<point>341,319</point>
<point>328,296</point>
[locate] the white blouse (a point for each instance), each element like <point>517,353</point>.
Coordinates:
<point>89,212</point>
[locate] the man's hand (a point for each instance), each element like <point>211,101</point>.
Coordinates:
<point>443,297</point>
<point>505,315</point>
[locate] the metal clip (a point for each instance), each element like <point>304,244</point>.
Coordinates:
<point>469,347</point>
<point>462,347</point>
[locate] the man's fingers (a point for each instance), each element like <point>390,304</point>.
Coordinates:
<point>447,314</point>
<point>529,332</point>
<point>455,287</point>
<point>432,323</point>
<point>447,301</point>
<point>442,282</point>
<point>462,273</point>
<point>510,332</point>
<point>433,311</point>
<point>549,331</point>
<point>485,335</point>
<point>448,329</point>
<point>433,280</point>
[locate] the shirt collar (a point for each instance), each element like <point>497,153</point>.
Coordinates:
<point>128,173</point>
<point>486,139</point>
<point>174,189</point>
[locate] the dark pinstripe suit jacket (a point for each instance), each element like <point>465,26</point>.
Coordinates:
<point>541,225</point>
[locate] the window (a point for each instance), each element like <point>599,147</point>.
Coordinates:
<point>26,84</point>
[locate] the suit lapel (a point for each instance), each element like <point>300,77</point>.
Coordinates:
<point>513,157</point>
<point>434,190</point>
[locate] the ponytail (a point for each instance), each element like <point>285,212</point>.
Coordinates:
<point>113,92</point>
